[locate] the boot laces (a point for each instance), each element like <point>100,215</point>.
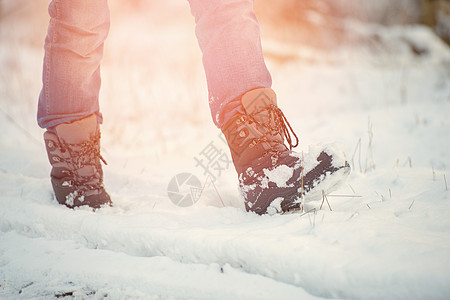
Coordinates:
<point>276,124</point>
<point>81,155</point>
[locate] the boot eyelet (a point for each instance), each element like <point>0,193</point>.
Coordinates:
<point>56,158</point>
<point>242,133</point>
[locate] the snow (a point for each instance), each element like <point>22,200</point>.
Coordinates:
<point>279,175</point>
<point>275,206</point>
<point>387,236</point>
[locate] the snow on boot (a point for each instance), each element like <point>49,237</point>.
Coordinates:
<point>325,169</point>
<point>74,153</point>
<point>270,173</point>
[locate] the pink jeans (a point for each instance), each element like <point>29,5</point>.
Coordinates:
<point>227,32</point>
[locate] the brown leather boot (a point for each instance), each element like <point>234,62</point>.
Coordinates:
<point>74,153</point>
<point>270,174</point>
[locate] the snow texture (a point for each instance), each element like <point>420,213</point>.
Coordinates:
<point>387,236</point>
<point>275,206</point>
<point>279,175</point>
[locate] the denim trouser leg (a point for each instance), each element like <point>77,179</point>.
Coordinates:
<point>229,38</point>
<point>73,50</point>
<point>227,32</point>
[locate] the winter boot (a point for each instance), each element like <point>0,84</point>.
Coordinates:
<point>74,153</point>
<point>271,175</point>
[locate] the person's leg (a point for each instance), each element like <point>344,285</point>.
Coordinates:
<point>245,108</point>
<point>229,38</point>
<point>71,72</point>
<point>68,103</point>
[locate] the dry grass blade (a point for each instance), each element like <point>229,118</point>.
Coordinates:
<point>325,198</point>
<point>302,184</point>
<point>307,212</point>
<point>358,147</point>
<point>215,188</point>
<point>345,196</point>
<point>217,192</point>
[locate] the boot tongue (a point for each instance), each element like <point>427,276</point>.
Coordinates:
<point>258,99</point>
<point>78,131</point>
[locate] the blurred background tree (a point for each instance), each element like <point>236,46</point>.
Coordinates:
<point>317,22</point>
<point>322,22</point>
<point>436,14</point>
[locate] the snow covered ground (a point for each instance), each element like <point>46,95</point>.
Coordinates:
<point>387,236</point>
